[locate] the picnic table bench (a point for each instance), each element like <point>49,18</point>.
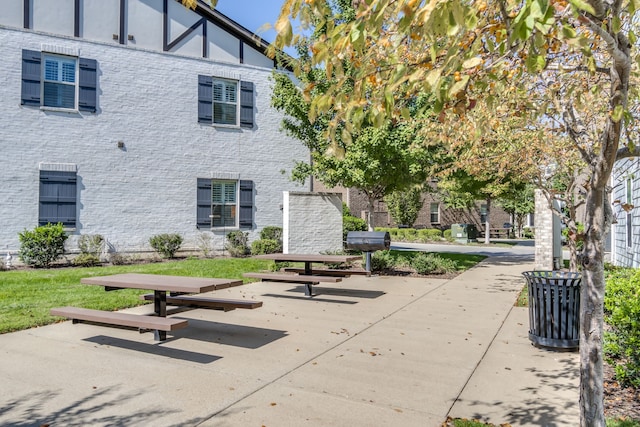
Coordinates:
<point>117,318</point>
<point>181,291</point>
<point>307,276</point>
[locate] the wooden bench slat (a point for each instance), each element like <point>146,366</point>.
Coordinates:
<point>203,302</point>
<point>120,319</point>
<point>294,278</point>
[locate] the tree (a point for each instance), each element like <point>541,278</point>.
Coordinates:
<point>404,206</point>
<point>518,202</point>
<point>578,54</point>
<point>377,160</point>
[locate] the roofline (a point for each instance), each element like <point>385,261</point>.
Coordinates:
<point>232,26</point>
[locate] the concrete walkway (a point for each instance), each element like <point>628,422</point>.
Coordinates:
<point>379,351</point>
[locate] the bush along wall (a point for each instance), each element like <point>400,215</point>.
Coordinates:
<point>412,235</point>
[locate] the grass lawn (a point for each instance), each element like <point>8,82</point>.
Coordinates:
<point>26,296</point>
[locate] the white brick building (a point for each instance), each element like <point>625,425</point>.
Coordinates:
<point>130,118</point>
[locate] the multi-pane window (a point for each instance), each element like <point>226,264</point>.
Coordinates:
<point>224,202</point>
<point>434,213</point>
<point>225,102</point>
<point>59,82</point>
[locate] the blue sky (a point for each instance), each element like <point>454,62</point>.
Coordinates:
<point>252,14</point>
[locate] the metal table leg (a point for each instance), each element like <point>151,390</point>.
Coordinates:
<point>160,309</point>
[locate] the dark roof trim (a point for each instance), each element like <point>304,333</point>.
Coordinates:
<point>232,26</point>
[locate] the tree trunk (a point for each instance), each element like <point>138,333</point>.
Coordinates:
<point>487,222</point>
<point>370,213</point>
<point>592,313</point>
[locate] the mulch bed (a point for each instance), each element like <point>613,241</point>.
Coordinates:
<point>619,402</point>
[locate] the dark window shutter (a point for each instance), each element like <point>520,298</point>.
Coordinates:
<point>87,86</point>
<point>31,75</point>
<point>205,99</point>
<point>204,203</point>
<point>246,204</point>
<point>246,105</point>
<point>58,198</point>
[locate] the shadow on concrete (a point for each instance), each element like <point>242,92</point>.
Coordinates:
<point>155,349</point>
<point>354,293</point>
<point>229,334</point>
<point>31,410</point>
<point>302,296</point>
<point>540,410</point>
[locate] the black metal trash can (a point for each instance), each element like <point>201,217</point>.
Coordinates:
<point>554,308</point>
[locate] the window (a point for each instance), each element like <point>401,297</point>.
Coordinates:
<point>434,213</point>
<point>629,188</point>
<point>58,198</point>
<point>225,102</point>
<point>224,203</point>
<point>58,81</point>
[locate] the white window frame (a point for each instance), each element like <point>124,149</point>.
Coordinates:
<point>437,212</point>
<point>60,59</point>
<point>225,83</point>
<point>234,205</point>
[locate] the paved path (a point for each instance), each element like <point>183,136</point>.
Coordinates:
<point>379,351</point>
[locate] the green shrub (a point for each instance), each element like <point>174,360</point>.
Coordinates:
<point>447,234</point>
<point>381,261</point>
<point>265,246</point>
<point>351,223</point>
<point>42,245</point>
<point>91,244</point>
<point>279,265</point>
<point>271,233</point>
<point>119,259</point>
<point>528,233</point>
<point>237,243</point>
<point>622,314</point>
<point>86,260</point>
<point>429,234</point>
<point>166,244</point>
<point>426,263</point>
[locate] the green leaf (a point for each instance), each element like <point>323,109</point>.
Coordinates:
<point>472,62</point>
<point>458,86</point>
<point>616,114</point>
<point>583,5</point>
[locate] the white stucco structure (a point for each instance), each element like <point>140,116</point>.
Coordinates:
<point>140,158</point>
<point>312,222</point>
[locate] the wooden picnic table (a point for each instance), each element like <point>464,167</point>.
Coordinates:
<point>178,287</point>
<point>308,276</point>
<point>309,259</point>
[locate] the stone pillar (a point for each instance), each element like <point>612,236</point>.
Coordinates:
<point>312,222</point>
<point>548,232</point>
